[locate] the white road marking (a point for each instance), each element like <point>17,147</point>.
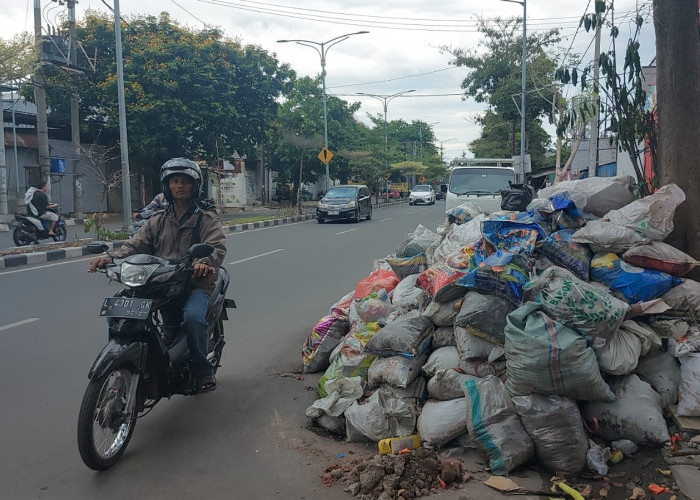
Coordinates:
<point>385,220</point>
<point>256,256</point>
<point>343,232</point>
<point>72,261</point>
<point>18,323</point>
<point>242,232</point>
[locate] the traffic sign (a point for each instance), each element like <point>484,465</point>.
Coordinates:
<point>325,155</point>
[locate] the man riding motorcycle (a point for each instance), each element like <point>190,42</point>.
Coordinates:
<point>169,234</point>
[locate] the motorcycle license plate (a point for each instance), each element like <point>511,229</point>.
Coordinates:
<point>121,307</point>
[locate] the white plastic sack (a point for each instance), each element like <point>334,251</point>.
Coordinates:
<point>555,426</point>
<point>442,421</point>
<point>448,384</point>
<point>684,297</point>
<point>342,392</point>
<point>619,355</point>
<point>442,358</point>
<point>689,391</point>
<point>417,242</point>
<point>651,216</point>
<point>398,371</point>
<point>493,422</point>
<point>380,416</point>
<point>636,415</point>
<point>459,236</point>
<point>602,194</point>
<point>663,372</point>
<point>442,313</point>
<point>470,346</point>
<point>407,296</point>
<point>444,336</point>
<point>604,236</point>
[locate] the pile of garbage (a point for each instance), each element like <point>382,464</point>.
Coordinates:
<point>556,333</point>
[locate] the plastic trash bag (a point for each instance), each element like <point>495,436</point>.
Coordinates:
<point>662,257</point>
<point>513,237</point>
<point>342,392</point>
<point>546,357</point>
<point>502,273</point>
<point>484,316</point>
<point>406,336</point>
<point>379,417</point>
<point>463,213</point>
<point>448,384</point>
<point>398,371</point>
<point>632,282</point>
<point>440,281</point>
<point>517,197</point>
<point>442,421</point>
<point>493,422</point>
<point>579,305</point>
<point>635,415</point>
<point>442,358</point>
<point>325,336</point>
<point>554,424</point>
<point>689,390</point>
<point>563,252</point>
<point>601,194</point>
<point>405,266</point>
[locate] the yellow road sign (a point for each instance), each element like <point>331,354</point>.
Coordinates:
<point>325,155</point>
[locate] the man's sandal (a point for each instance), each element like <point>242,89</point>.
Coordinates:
<point>206,383</point>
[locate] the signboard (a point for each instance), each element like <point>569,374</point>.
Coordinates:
<point>325,156</point>
<point>58,165</point>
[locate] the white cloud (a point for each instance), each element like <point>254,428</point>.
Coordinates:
<point>384,62</point>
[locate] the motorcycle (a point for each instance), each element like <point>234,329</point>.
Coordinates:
<point>146,358</point>
<point>142,216</point>
<point>30,229</point>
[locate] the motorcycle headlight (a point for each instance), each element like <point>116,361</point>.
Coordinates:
<point>137,274</point>
<point>352,204</point>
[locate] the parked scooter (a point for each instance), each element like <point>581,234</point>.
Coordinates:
<point>147,357</point>
<point>29,229</point>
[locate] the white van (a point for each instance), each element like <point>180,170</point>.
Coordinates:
<point>479,184</point>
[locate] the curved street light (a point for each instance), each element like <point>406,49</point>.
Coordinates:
<point>322,49</point>
<point>386,99</point>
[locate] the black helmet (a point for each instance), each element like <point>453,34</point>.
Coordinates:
<point>181,166</point>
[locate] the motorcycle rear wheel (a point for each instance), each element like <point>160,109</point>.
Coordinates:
<point>61,233</point>
<point>104,425</point>
<point>21,236</point>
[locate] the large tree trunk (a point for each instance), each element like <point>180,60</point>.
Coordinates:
<point>678,109</point>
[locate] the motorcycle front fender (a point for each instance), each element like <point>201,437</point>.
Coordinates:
<point>118,353</point>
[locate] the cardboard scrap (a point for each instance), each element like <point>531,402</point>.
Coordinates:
<point>503,484</point>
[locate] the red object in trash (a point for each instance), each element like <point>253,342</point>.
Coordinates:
<point>657,490</point>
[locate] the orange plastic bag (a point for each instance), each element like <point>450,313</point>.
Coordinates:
<point>381,278</point>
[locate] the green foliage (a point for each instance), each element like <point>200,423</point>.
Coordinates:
<point>95,223</point>
<point>188,93</point>
<point>17,57</point>
<point>624,92</point>
<point>496,72</point>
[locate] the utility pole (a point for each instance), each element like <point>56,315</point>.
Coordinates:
<point>126,180</point>
<point>74,114</point>
<point>3,165</point>
<point>593,140</point>
<point>42,127</point>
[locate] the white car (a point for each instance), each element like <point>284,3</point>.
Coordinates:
<point>422,193</point>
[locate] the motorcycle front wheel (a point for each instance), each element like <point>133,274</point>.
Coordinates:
<point>21,236</point>
<point>107,420</point>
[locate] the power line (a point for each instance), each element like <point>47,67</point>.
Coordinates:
<point>206,25</point>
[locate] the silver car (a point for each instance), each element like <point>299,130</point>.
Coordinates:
<point>422,193</point>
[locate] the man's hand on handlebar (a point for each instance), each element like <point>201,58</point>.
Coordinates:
<point>98,263</point>
<point>200,270</point>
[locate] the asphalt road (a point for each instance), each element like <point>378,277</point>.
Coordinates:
<point>247,439</point>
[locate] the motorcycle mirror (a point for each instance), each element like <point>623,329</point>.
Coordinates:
<point>199,250</point>
<point>97,247</point>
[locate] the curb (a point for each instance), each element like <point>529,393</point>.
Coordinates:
<point>28,258</point>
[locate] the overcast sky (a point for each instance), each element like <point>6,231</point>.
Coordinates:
<point>400,53</point>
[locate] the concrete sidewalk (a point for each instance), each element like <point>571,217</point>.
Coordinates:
<point>38,254</point>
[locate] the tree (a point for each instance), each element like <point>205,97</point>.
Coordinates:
<point>302,114</point>
<point>17,57</point>
<point>495,140</point>
<point>188,93</point>
<point>495,76</point>
<point>678,109</point>
<point>624,91</point>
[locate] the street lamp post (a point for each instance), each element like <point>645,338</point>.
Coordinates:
<point>522,88</point>
<point>322,49</point>
<point>442,154</point>
<point>386,99</point>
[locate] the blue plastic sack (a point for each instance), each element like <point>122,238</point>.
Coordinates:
<point>512,236</point>
<point>502,273</point>
<point>565,253</point>
<point>633,283</point>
